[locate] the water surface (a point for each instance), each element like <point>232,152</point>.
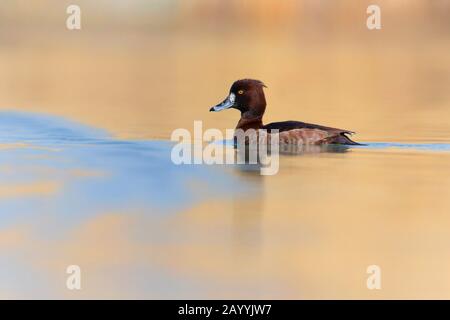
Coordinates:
<point>140,226</point>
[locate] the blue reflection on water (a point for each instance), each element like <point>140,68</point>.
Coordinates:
<point>134,174</point>
<point>413,146</point>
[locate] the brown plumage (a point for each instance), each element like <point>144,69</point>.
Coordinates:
<point>247,96</point>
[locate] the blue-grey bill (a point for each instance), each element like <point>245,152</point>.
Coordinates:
<point>225,104</point>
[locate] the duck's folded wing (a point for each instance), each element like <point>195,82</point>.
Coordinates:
<point>290,125</point>
<point>333,135</point>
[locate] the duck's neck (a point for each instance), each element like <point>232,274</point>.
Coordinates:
<point>246,124</point>
<point>250,121</point>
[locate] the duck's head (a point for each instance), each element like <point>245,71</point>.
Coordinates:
<point>246,95</point>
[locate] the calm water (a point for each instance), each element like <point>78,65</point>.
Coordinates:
<point>86,175</point>
<point>140,226</point>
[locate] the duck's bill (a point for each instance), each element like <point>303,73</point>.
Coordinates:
<point>225,104</point>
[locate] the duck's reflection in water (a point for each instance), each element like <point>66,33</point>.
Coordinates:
<point>253,159</point>
<point>248,213</point>
<point>301,149</point>
<point>247,219</point>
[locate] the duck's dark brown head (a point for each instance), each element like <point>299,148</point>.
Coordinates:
<point>246,95</point>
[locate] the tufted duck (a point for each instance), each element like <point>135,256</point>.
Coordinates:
<point>247,96</point>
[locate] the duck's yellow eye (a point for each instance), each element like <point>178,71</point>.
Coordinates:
<point>240,91</point>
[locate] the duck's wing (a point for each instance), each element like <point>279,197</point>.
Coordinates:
<point>290,125</point>
<point>334,135</point>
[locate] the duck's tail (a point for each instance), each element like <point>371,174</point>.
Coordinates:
<point>344,139</point>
